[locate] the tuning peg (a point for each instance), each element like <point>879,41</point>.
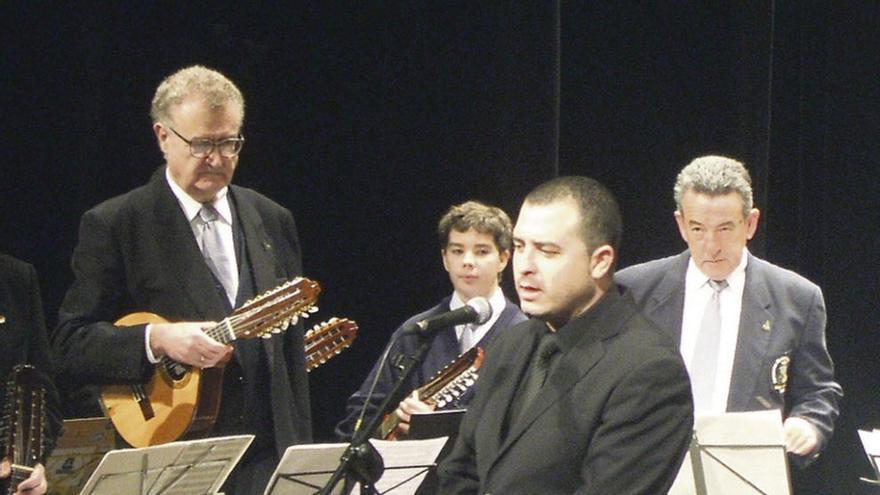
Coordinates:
<point>285,324</point>
<point>312,309</point>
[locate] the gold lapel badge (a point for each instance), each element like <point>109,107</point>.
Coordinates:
<point>766,326</point>
<point>779,373</point>
<point>2,319</point>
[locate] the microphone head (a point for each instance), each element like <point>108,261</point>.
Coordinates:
<point>482,307</point>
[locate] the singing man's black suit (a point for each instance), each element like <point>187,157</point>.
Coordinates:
<point>23,338</point>
<point>137,252</point>
<point>614,416</point>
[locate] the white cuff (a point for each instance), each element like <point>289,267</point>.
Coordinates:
<point>150,357</point>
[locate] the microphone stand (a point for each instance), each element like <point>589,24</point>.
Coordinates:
<point>361,462</point>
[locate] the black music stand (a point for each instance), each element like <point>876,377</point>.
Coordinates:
<point>304,469</point>
<point>735,454</point>
<point>871,443</point>
<point>177,468</point>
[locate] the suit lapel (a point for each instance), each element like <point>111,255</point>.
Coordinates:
<point>666,304</point>
<point>753,339</point>
<point>257,243</point>
<point>503,396</point>
<point>261,253</point>
<point>573,367</point>
<point>182,254</point>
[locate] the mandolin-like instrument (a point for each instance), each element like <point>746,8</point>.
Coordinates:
<point>444,387</point>
<point>180,399</point>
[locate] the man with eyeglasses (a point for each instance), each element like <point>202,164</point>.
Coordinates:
<point>190,247</point>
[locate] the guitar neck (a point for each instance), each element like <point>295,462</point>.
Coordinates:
<point>224,332</point>
<point>25,422</point>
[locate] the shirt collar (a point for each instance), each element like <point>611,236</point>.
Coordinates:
<point>569,335</point>
<point>696,279</point>
<point>496,301</point>
<point>191,207</point>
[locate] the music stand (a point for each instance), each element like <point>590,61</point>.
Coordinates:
<point>304,469</point>
<point>871,443</point>
<point>735,454</point>
<point>80,448</point>
<point>177,468</point>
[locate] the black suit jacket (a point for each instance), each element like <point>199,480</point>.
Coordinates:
<point>137,252</point>
<point>23,336</point>
<point>783,316</point>
<point>614,416</point>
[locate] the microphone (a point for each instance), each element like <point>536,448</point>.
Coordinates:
<point>477,310</point>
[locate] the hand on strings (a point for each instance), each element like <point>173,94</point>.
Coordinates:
<point>404,411</point>
<point>187,343</point>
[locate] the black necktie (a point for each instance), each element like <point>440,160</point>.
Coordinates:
<point>538,371</point>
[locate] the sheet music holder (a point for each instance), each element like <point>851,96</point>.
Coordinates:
<point>177,468</point>
<point>735,454</point>
<point>304,469</point>
<point>80,448</point>
<point>443,423</point>
<point>871,444</point>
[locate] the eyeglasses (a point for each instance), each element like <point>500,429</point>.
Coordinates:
<point>203,147</point>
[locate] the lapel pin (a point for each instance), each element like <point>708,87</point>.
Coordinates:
<point>766,326</point>
<point>2,319</point>
<point>266,246</point>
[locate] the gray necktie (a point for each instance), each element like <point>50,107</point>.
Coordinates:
<point>467,338</point>
<point>704,366</point>
<point>222,266</point>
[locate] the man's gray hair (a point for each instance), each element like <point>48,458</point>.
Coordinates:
<point>715,176</point>
<point>216,88</point>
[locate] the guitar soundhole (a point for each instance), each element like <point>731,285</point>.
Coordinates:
<point>175,370</point>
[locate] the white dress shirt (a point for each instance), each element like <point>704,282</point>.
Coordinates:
<point>496,301</point>
<point>191,209</point>
<point>696,296</point>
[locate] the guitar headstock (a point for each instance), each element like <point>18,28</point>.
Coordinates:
<point>274,310</point>
<point>328,339</point>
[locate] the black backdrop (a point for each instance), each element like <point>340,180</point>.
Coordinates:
<point>369,121</point>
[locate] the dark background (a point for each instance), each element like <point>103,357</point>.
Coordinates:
<point>368,121</point>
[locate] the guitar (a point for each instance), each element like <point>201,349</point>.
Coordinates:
<point>180,399</point>
<point>328,339</point>
<point>445,386</point>
<point>25,421</point>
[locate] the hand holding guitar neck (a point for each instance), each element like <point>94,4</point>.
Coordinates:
<point>446,386</point>
<point>188,343</point>
<point>409,406</point>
